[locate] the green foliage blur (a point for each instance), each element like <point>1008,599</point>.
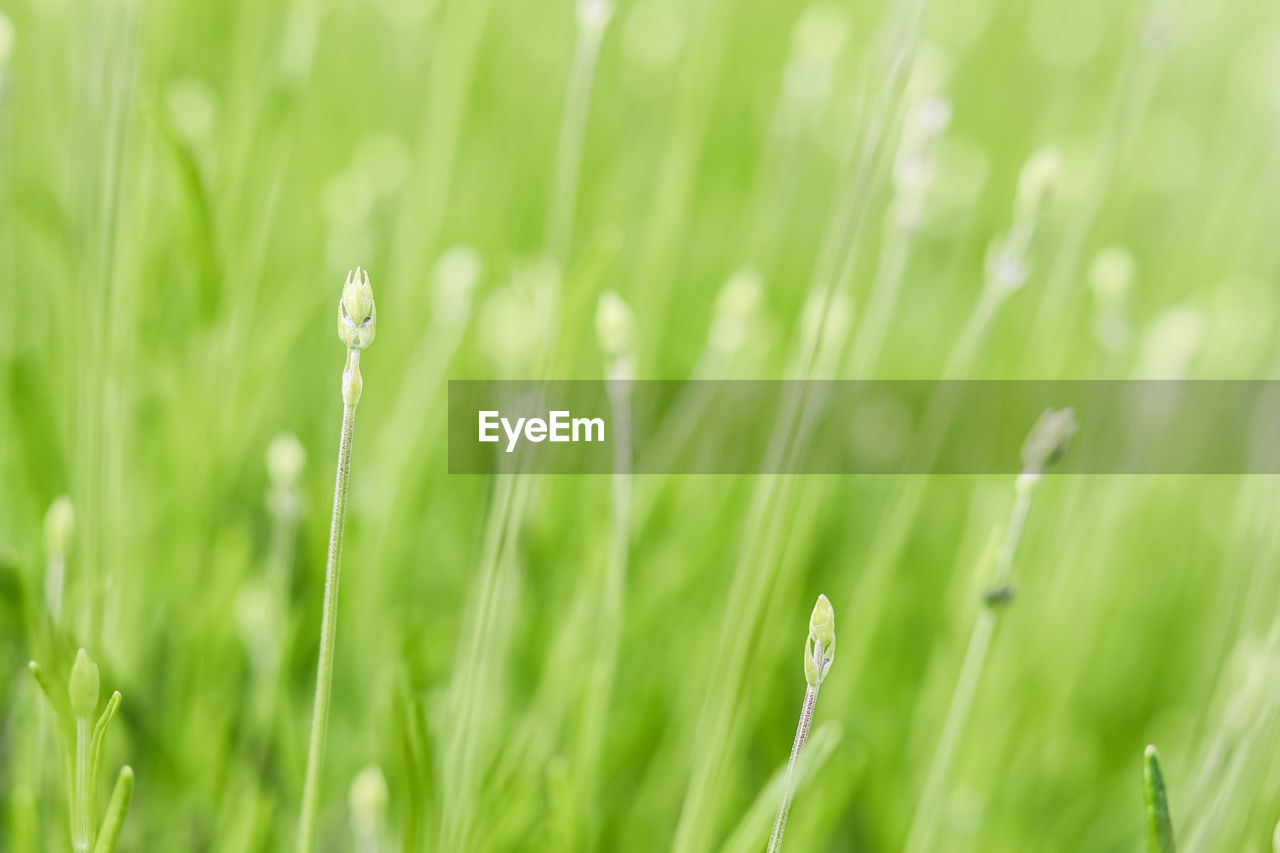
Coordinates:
<point>183,188</point>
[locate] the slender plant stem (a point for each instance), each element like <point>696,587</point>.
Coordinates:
<point>328,631</point>
<point>952,729</point>
<point>569,152</point>
<point>880,305</point>
<point>612,595</point>
<point>975,659</point>
<point>80,838</point>
<point>789,780</point>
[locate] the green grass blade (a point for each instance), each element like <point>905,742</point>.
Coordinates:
<point>1156,800</point>
<point>116,808</point>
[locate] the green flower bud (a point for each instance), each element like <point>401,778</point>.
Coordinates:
<point>1111,275</point>
<point>456,273</point>
<point>822,622</point>
<point>1048,440</point>
<point>59,526</point>
<point>357,315</point>
<point>1038,183</point>
<point>83,686</point>
<point>285,460</point>
<point>820,647</point>
<point>367,800</point>
<point>594,15</point>
<point>614,324</point>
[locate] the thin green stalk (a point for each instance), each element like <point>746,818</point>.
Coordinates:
<point>478,657</point>
<point>1006,269</point>
<point>356,327</point>
<point>1044,445</point>
<point>80,795</point>
<point>880,305</point>
<point>957,718</point>
<point>820,650</point>
<point>759,816</point>
<point>789,779</point>
<point>593,16</point>
<point>328,631</point>
<point>614,324</point>
<point>715,729</point>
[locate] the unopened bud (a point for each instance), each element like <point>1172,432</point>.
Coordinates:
<point>820,647</point>
<point>83,685</point>
<point>367,799</point>
<point>59,526</point>
<point>1006,265</point>
<point>594,15</point>
<point>614,325</point>
<point>1048,440</point>
<point>1111,275</point>
<point>285,460</point>
<point>357,315</point>
<point>456,273</point>
<point>1038,184</point>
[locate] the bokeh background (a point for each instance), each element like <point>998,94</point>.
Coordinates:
<point>773,189</point>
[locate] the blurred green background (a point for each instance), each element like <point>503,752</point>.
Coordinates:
<point>183,187</point>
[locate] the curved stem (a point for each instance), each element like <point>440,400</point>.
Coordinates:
<point>975,658</point>
<point>328,631</point>
<point>789,780</point>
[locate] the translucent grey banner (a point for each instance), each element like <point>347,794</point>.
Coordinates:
<point>858,427</point>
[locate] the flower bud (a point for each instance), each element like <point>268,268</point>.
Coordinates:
<point>83,685</point>
<point>594,15</point>
<point>614,324</point>
<point>59,526</point>
<point>820,648</point>
<point>6,40</point>
<point>367,799</point>
<point>1048,440</point>
<point>1038,183</point>
<point>285,460</point>
<point>1111,275</point>
<point>357,316</point>
<point>1006,264</point>
<point>822,622</point>
<point>456,273</point>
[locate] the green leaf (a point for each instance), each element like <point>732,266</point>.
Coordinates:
<point>1159,826</point>
<point>116,808</point>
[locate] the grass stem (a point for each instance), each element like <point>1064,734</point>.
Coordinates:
<point>80,838</point>
<point>328,634</point>
<point>789,780</point>
<point>356,327</point>
<point>819,652</point>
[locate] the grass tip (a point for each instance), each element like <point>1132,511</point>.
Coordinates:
<point>1159,825</point>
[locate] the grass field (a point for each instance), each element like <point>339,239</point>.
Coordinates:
<point>773,190</point>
